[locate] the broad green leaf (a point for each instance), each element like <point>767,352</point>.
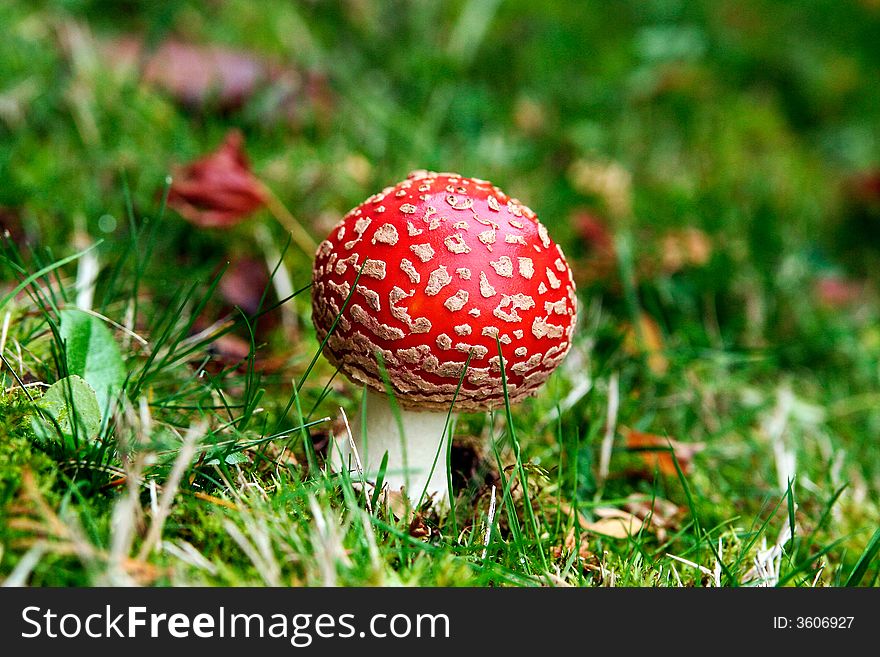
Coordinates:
<point>234,458</point>
<point>70,402</point>
<point>93,354</point>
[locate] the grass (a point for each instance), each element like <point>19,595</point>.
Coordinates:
<point>714,143</point>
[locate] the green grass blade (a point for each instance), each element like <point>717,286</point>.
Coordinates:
<point>43,271</point>
<point>865,560</point>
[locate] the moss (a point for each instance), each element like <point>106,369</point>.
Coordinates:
<point>17,445</point>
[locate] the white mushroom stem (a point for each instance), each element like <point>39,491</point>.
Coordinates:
<point>410,457</point>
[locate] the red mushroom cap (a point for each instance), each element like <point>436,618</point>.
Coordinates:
<point>447,264</point>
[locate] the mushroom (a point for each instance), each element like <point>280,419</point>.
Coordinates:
<point>415,291</point>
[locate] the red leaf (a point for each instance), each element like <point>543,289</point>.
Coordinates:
<point>599,261</point>
<point>219,189</point>
<point>594,231</point>
<point>865,187</point>
<point>834,291</point>
<point>215,77</point>
<point>196,74</point>
<point>10,225</point>
<point>243,284</point>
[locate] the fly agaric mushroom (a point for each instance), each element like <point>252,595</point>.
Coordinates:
<point>421,276</point>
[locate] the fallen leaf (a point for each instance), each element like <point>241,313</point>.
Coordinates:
<point>588,558</point>
<point>232,351</point>
<point>833,291</point>
<point>687,247</point>
<point>216,77</point>
<point>647,340</point>
<point>659,512</point>
<point>229,350</point>
<point>196,74</point>
<point>529,116</point>
<point>865,187</point>
<point>655,451</point>
<point>614,523</point>
<point>397,503</point>
<point>244,283</point>
<point>594,232</point>
<point>609,181</point>
<point>218,190</point>
<point>10,225</point>
<point>418,528</point>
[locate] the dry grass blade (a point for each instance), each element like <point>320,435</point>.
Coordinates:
<point>51,534</point>
<point>261,554</point>
<point>610,427</point>
<point>490,519</point>
<point>4,331</point>
<point>25,566</point>
<point>357,459</point>
<point>328,548</point>
<point>187,553</point>
<point>187,450</point>
<point>686,562</point>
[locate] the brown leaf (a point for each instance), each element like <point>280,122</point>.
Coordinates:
<point>865,187</point>
<point>568,547</point>
<point>614,523</point>
<point>647,339</point>
<point>418,528</point>
<point>594,232</point>
<point>398,503</point>
<point>609,181</point>
<point>687,247</point>
<point>218,190</point>
<point>229,349</point>
<point>243,284</point>
<point>10,225</point>
<point>661,458</point>
<point>216,77</point>
<point>661,513</point>
<point>198,74</point>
